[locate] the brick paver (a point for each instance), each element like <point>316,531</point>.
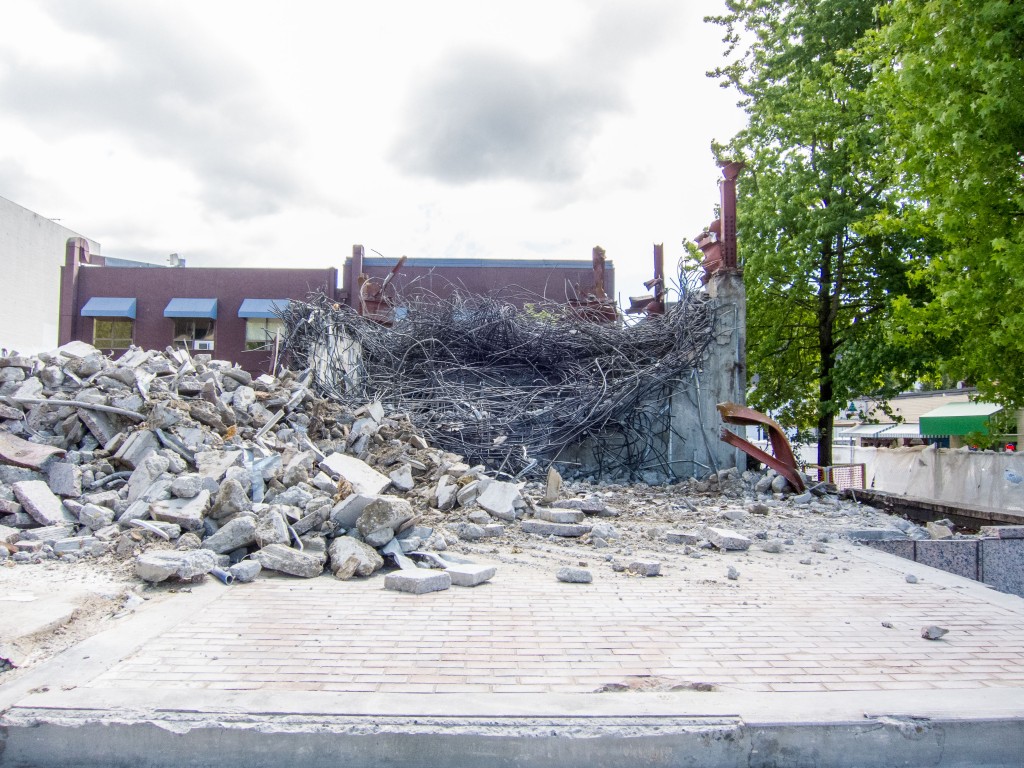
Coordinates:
<point>782,627</point>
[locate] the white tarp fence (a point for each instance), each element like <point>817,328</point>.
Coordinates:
<point>952,476</point>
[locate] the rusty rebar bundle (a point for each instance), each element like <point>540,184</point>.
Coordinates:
<point>508,387</point>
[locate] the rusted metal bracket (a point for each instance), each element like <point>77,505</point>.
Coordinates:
<point>783,462</point>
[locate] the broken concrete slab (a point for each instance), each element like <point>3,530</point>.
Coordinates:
<point>559,515</point>
<point>418,582</point>
<point>499,499</point>
<point>363,478</point>
<point>542,528</point>
<point>245,571</point>
<point>278,557</point>
<point>571,575</point>
<point>22,453</point>
<point>187,513</point>
<point>234,534</point>
<point>644,567</point>
<point>470,575</point>
<point>136,448</point>
<point>725,538</point>
<point>401,478</point>
<point>40,502</point>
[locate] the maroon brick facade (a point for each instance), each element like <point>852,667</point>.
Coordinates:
<point>154,287</point>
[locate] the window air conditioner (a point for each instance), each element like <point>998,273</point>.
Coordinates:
<point>202,346</point>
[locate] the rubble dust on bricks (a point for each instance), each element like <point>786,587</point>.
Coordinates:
<point>181,468</point>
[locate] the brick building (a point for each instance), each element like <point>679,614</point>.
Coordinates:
<point>230,313</point>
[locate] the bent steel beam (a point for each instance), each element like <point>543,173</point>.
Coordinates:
<point>782,462</point>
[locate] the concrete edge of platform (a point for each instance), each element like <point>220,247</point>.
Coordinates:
<point>646,729</point>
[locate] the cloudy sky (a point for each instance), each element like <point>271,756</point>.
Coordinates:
<point>267,133</point>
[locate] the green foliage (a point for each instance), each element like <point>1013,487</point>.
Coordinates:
<point>821,257</point>
<point>950,79</point>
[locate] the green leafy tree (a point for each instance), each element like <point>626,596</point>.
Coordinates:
<point>950,78</point>
<point>820,272</point>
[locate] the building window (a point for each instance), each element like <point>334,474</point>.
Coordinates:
<point>260,332</point>
<point>112,332</point>
<point>196,333</point>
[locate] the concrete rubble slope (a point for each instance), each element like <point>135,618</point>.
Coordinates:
<point>177,473</point>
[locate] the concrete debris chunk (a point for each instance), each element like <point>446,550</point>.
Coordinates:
<point>384,514</point>
<point>245,571</point>
<point>644,568</point>
<point>402,479</point>
<point>65,479</point>
<point>363,478</point>
<point>559,515</point>
<point>725,538</point>
<point>499,499</point>
<point>160,565</point>
<point>40,502</point>
<point>418,582</point>
<point>572,575</point>
<point>281,558</point>
<point>933,632</point>
<point>470,575</point>
<point>541,528</point>
<point>350,557</point>
<point>188,513</point>
<point>234,534</point>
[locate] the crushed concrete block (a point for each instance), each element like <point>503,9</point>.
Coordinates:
<point>552,488</point>
<point>493,530</point>
<point>938,531</point>
<point>682,537</point>
<point>559,515</point>
<point>271,528</point>
<point>418,582</point>
<point>100,424</point>
<point>40,502</point>
<point>470,532</point>
<point>349,557</point>
<point>215,464</point>
<point>574,575</point>
<point>499,498</point>
<point>444,495</point>
<point>346,512</point>
<point>231,499</point>
<point>644,568</point>
<point>9,535</point>
<point>542,528</point>
<point>933,632</point>
<point>146,474</point>
<point>74,544</point>
<point>187,513</point>
<point>725,538</point>
<point>160,565</point>
<point>245,571</point>
<point>732,574</point>
<point>236,533</point>
<point>363,478</point>
<point>136,448</point>
<point>94,517</point>
<point>65,479</point>
<point>384,513</point>
<point>779,484</point>
<point>278,557</point>
<point>467,495</point>
<point>877,534</point>
<point>324,482</point>
<point>402,479</point>
<point>470,575</point>
<point>186,486</point>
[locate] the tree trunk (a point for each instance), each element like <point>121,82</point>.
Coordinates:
<point>826,355</point>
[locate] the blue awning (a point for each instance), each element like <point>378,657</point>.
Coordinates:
<point>192,308</point>
<point>109,306</point>
<point>262,307</point>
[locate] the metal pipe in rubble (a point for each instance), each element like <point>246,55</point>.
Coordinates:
<point>225,577</point>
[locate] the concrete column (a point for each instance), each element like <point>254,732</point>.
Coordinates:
<point>76,253</point>
<point>695,449</point>
<point>355,269</point>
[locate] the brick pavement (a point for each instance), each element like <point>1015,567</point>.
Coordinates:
<point>783,626</point>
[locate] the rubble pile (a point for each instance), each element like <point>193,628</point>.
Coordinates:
<point>188,467</point>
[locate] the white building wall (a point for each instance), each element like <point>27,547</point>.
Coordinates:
<point>31,255</point>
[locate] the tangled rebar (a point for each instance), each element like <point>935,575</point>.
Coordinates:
<point>508,387</point>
